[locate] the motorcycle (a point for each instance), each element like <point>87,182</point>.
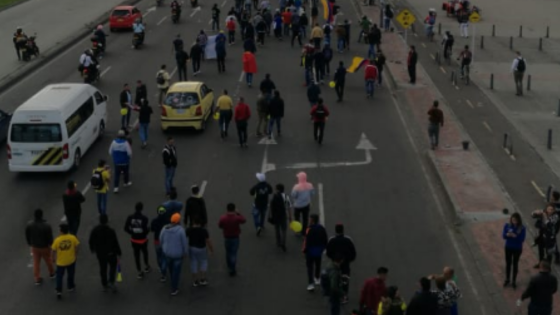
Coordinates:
<point>97,48</point>
<point>137,40</point>
<point>91,76</point>
<point>175,13</point>
<point>28,47</point>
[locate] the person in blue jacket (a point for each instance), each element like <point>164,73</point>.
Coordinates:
<point>314,245</point>
<point>514,234</point>
<point>121,152</point>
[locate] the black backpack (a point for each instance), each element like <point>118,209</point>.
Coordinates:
<point>160,79</point>
<point>320,112</point>
<point>521,65</point>
<point>97,181</point>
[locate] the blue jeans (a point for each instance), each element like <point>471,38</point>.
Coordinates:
<point>454,309</point>
<point>225,119</point>
<point>340,44</point>
<point>386,23</point>
<point>249,78</point>
<point>215,24</point>
<point>433,134</point>
<point>174,265</point>
<point>271,125</point>
<point>102,203</point>
<point>308,76</point>
<point>122,168</point>
<point>160,257</point>
<point>334,302</point>
<point>371,51</point>
<point>327,39</point>
<point>169,175</point>
<point>232,246</point>
<point>539,310</point>
<point>143,131</point>
<point>60,275</point>
<point>258,217</point>
<point>303,31</point>
<point>369,87</point>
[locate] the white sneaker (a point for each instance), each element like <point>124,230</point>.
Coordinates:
<point>116,190</point>
<point>128,184</point>
<point>317,281</point>
<point>311,287</point>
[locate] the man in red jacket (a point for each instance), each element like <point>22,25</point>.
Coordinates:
<point>372,292</point>
<point>319,114</point>
<point>241,115</point>
<point>370,75</point>
<point>230,224</point>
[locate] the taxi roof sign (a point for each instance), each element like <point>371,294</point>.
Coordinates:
<point>474,17</point>
<point>405,18</point>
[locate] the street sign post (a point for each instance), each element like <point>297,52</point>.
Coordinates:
<point>405,19</point>
<point>473,18</point>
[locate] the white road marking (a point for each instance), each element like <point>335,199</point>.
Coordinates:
<point>423,45</point>
<point>86,189</point>
<point>105,71</point>
<point>537,188</point>
<point>241,76</point>
<point>487,126</point>
<point>470,104</point>
<point>224,3</point>
<point>321,205</point>
<point>265,166</point>
<point>210,22</point>
<point>196,10</point>
<point>442,70</point>
<point>161,21</point>
<point>203,187</point>
<point>433,57</point>
<point>172,73</point>
<point>267,141</point>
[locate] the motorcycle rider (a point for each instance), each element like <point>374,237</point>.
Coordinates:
<point>177,7</point>
<point>20,39</point>
<point>87,61</point>
<point>138,28</point>
<point>101,36</point>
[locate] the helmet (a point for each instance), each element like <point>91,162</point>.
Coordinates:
<point>19,29</point>
<point>99,27</point>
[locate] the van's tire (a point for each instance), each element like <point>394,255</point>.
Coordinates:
<point>77,159</point>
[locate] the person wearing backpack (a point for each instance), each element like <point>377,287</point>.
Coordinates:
<point>518,67</point>
<point>280,215</point>
<point>162,80</point>
<point>260,193</point>
<point>332,282</point>
<point>387,17</point>
<point>137,226</point>
<point>100,183</point>
<point>319,114</point>
<point>343,246</point>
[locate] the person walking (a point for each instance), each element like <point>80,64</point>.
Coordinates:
<point>157,224</point>
<point>287,20</point>
<point>163,80</point>
<point>121,152</point>
<point>317,35</point>
<point>103,242</point>
<point>463,19</point>
<point>224,106</point>
<point>172,205</point>
<point>365,25</point>
<point>393,303</point>
<point>314,244</point>
<point>370,76</point>
<point>141,93</point>
<point>249,67</point>
<point>374,40</point>
<point>39,237</point>
<point>72,201</point>
<point>144,122</point>
<point>137,226</point>
<point>100,181</point>
<point>335,283</point>
<point>174,244</point>
<point>241,116</point>
<point>263,112</point>
<point>178,44</point>
<point>64,252</point>
<point>319,114</point>
<point>202,39</point>
<point>424,302</point>
<point>260,193</point>
<point>126,106</point>
<point>267,87</point>
<point>196,55</point>
<point>280,215</point>
<point>230,25</point>
<point>446,295</point>
<point>313,93</point>
<point>200,246</point>
<point>373,290</point>
<point>215,17</point>
<point>182,57</point>
<point>342,245</point>
<point>540,290</point>
<point>230,223</point>
<point>546,224</point>
<point>302,192</point>
<point>451,286</point>
<point>319,65</point>
<point>169,155</point>
<point>411,63</point>
<point>435,119</point>
<point>514,235</point>
<point>518,68</point>
<point>380,64</point>
<point>221,52</point>
<point>387,17</point>
<point>340,80</point>
<point>327,55</point>
<point>195,208</point>
<point>276,113</point>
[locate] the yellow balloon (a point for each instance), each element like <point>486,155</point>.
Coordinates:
<point>295,226</point>
<point>332,84</point>
<point>124,111</point>
<point>216,115</point>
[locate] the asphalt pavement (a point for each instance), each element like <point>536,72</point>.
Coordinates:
<point>385,203</point>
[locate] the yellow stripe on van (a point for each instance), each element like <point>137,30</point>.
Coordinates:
<point>45,156</point>
<point>56,158</point>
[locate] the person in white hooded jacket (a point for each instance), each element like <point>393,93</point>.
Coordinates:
<point>301,195</point>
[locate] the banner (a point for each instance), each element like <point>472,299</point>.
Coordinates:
<point>210,50</point>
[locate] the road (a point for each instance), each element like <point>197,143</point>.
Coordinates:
<point>388,206</point>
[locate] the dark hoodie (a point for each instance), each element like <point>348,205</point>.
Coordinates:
<point>195,207</point>
<point>137,226</point>
<point>341,245</point>
<point>72,201</point>
<point>261,191</point>
<point>157,225</point>
<point>103,241</point>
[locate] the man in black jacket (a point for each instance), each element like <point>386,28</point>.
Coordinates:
<point>319,64</point>
<point>340,80</point>
<point>137,226</point>
<point>411,63</point>
<point>280,215</point>
<point>313,247</point>
<point>158,223</point>
<point>141,93</point>
<point>170,161</point>
<point>260,192</point>
<point>126,103</point>
<point>276,112</point>
<point>267,87</point>
<point>342,245</point>
<point>144,121</point>
<point>39,236</point>
<point>195,207</point>
<point>104,243</point>
<point>196,55</point>
<point>313,93</point>
<point>424,302</point>
<point>72,201</point>
<point>182,57</point>
<point>540,290</point>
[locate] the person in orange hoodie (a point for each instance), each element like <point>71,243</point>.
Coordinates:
<point>249,66</point>
<point>370,76</point>
<point>241,115</point>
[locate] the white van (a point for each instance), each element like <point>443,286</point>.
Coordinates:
<point>53,129</point>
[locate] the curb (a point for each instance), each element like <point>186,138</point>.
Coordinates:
<point>15,4</point>
<point>19,74</point>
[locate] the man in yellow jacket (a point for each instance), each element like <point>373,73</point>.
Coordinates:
<point>317,35</point>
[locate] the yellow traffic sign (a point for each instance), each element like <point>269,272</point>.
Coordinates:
<point>405,18</point>
<point>474,17</point>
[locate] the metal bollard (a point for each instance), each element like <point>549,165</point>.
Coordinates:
<point>493,30</point>
<point>549,140</point>
<point>510,42</point>
<point>520,31</point>
<point>491,81</point>
<point>547,31</point>
<point>439,29</point>
<point>529,82</point>
<point>540,44</point>
<point>505,140</point>
<point>482,42</point>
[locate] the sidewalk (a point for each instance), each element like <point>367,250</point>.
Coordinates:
<point>58,24</point>
<point>473,188</point>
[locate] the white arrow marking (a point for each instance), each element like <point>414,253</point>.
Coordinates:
<point>196,10</point>
<point>364,144</point>
<point>267,141</point>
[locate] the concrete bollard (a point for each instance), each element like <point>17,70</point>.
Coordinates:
<point>529,82</point>
<point>540,44</point>
<point>493,30</point>
<point>549,139</point>
<point>510,42</point>
<point>491,81</point>
<point>482,42</point>
<point>520,31</point>
<point>547,32</point>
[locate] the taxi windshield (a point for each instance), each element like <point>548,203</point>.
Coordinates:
<point>181,99</point>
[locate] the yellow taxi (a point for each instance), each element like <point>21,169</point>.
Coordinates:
<point>187,104</point>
